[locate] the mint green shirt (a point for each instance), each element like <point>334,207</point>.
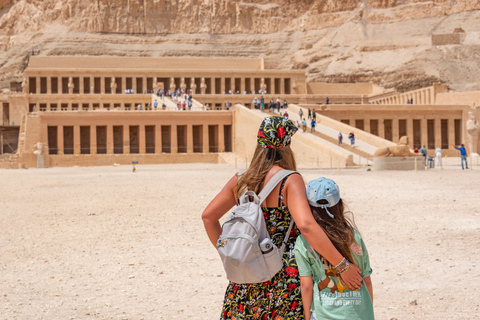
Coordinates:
<point>334,302</point>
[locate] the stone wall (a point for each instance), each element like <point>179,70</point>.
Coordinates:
<point>339,88</point>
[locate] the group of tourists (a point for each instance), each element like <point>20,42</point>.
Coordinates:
<point>278,104</point>
<point>325,270</point>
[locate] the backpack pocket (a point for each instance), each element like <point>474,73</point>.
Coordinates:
<point>274,262</point>
<point>242,259</point>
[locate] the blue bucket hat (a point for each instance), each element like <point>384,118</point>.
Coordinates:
<point>323,189</point>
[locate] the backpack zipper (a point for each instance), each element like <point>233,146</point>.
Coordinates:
<point>243,237</point>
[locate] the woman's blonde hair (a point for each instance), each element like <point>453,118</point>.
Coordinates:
<point>263,160</point>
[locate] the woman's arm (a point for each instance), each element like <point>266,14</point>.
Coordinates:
<point>306,287</point>
<point>368,283</point>
<point>297,203</point>
<point>223,202</point>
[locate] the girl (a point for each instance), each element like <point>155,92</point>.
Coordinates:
<point>324,294</point>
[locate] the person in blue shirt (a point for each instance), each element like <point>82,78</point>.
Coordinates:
<point>463,155</point>
<point>423,151</point>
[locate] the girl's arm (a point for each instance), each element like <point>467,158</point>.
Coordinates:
<point>297,203</point>
<point>306,287</point>
<point>223,202</point>
<point>368,283</point>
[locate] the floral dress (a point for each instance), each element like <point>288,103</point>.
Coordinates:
<point>277,299</point>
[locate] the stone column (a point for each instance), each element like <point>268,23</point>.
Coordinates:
<point>76,139</point>
<point>451,133</point>
<point>213,85</point>
<point>189,138</point>
<point>158,139</point>
<point>144,84</point>
<point>69,106</point>
<point>92,85</point>
<point>438,132</point>
<point>222,85</point>
<point>60,140</point>
<point>282,86</point>
<point>81,85</point>
<point>174,142</point>
<point>102,85</point>
<point>122,106</point>
<point>126,139</point>
<point>109,139</point>
<point>381,128</point>
<point>124,84</point>
<point>37,80</point>
<point>142,142</point>
<point>49,85</point>
<point>93,139</point>
<point>410,133</point>
<point>242,85</point>
<point>221,138</point>
<point>366,125</point>
<point>424,131</point>
<point>395,125</point>
<point>206,148</point>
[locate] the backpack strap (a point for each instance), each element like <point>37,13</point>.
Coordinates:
<point>273,183</point>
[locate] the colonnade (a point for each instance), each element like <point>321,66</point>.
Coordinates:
<point>420,96</point>
<point>141,139</point>
<point>211,84</point>
<point>431,132</point>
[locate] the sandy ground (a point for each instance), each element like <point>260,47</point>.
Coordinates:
<point>106,243</point>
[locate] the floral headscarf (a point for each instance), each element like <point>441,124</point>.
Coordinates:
<point>276,132</point>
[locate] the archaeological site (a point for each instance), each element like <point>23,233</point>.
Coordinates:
<point>96,82</point>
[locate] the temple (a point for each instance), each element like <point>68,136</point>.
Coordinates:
<point>71,110</point>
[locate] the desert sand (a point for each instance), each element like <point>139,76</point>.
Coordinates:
<point>107,243</point>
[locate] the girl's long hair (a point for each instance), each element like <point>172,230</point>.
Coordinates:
<point>263,160</point>
<point>338,229</point>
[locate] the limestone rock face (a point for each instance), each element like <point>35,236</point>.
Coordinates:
<point>385,41</point>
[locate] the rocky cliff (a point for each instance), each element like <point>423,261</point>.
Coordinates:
<point>388,42</point>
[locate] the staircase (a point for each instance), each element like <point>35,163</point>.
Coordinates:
<point>358,152</point>
<point>325,137</point>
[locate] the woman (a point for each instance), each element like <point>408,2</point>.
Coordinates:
<point>279,298</point>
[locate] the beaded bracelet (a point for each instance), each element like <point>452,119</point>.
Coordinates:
<point>342,266</point>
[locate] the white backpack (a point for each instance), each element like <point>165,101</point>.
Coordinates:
<point>247,252</point>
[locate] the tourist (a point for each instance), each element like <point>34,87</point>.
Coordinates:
<point>285,114</point>
<point>333,299</point>
<point>285,104</point>
<point>227,105</point>
<point>297,124</point>
<point>415,150</point>
<point>304,125</point>
<point>424,152</point>
<point>278,109</point>
<point>300,113</point>
<point>262,103</point>
<point>463,155</point>
<point>351,136</point>
<point>254,102</point>
<point>279,102</point>
<point>280,297</point>
<point>314,115</point>
<point>309,113</point>
<point>164,106</point>
<point>155,104</point>
<point>438,155</point>
<point>312,126</point>
<point>327,101</point>
<point>340,139</point>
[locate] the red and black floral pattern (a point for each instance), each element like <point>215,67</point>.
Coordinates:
<point>278,299</point>
<point>276,132</point>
